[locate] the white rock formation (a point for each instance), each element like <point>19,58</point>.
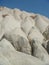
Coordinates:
<point>39,51</point>
<point>19,40</point>
<point>27,24</point>
<point>36,35</point>
<point>24,38</point>
<point>17,58</point>
<point>42,25</point>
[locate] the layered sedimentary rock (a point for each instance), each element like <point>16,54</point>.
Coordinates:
<point>24,38</point>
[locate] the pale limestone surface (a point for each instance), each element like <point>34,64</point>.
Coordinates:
<point>19,40</point>
<point>39,51</point>
<point>35,34</point>
<point>17,58</point>
<point>27,25</point>
<point>40,23</point>
<point>24,38</point>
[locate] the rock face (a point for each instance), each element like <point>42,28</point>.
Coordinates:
<point>16,58</point>
<point>24,38</point>
<point>19,40</point>
<point>43,26</point>
<point>39,51</point>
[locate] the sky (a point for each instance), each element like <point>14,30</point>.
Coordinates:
<point>35,6</point>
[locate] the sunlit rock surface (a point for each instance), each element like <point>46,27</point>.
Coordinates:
<point>24,38</point>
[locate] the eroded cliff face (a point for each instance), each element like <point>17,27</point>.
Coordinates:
<point>24,38</point>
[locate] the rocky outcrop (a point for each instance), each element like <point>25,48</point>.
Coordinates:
<point>16,58</point>
<point>43,26</point>
<point>24,38</point>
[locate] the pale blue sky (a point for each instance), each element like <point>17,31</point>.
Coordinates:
<point>36,6</point>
